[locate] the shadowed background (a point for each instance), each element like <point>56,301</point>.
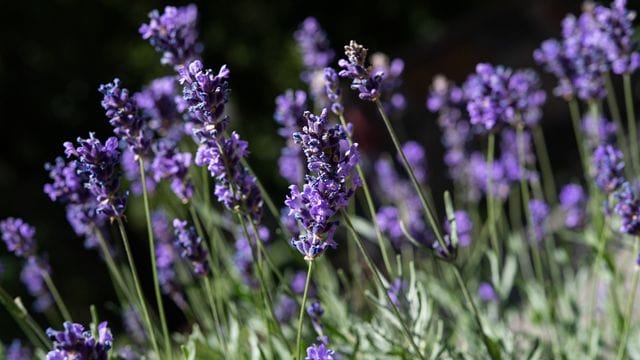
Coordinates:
<point>55,53</point>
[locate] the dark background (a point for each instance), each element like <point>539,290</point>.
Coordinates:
<point>55,53</point>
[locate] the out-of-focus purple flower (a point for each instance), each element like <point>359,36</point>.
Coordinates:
<point>479,168</point>
<point>397,290</point>
<point>99,163</point>
<point>464,226</point>
<point>299,281</point>
<point>18,236</point>
<point>510,154</point>
<point>608,165</point>
<point>285,309</point>
<point>127,352</point>
<point>578,61</point>
<point>243,257</point>
<point>133,324</point>
<point>314,46</point>
<point>32,278</point>
<point>501,95</point>
<point>234,185</point>
<point>330,162</point>
<point>393,101</point>
<point>598,130</point>
<point>165,259</point>
<point>332,89</point>
<point>158,103</point>
<point>539,212</point>
<point>573,204</point>
<point>619,45</point>
<point>628,208</point>
<point>169,163</point>
<point>16,351</point>
<point>206,94</point>
<point>125,116</point>
<point>290,164</point>
<point>364,80</point>
<point>191,247</point>
<point>315,312</point>
<point>290,108</point>
<point>75,343</point>
<point>131,172</point>
<point>173,34</point>
<point>415,154</point>
<point>320,352</point>
<point>486,292</point>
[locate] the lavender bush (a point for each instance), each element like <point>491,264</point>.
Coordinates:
<point>503,265</point>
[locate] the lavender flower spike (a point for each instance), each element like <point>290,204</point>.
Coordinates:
<point>332,89</point>
<point>320,352</point>
<point>608,165</point>
<point>18,236</point>
<point>573,204</point>
<point>16,351</point>
<point>75,343</point>
<point>330,162</point>
<point>171,164</point>
<point>539,211</point>
<point>125,117</point>
<point>173,34</point>
<point>191,245</point>
<point>99,163</point>
<point>31,277</point>
<point>314,46</point>
<point>619,45</point>
<point>628,208</point>
<point>354,67</point>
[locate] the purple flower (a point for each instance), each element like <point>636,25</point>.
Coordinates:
<point>367,82</point>
<point>166,258</point>
<point>332,89</point>
<point>131,172</point>
<point>573,204</point>
<point>32,277</point>
<point>290,164</point>
<point>191,247</point>
<point>486,292</point>
<point>125,117</point>
<point>298,283</point>
<point>314,46</point>
<point>133,324</point>
<point>99,164</point>
<point>75,343</point>
<point>479,168</point>
<point>173,34</point>
<point>464,226</point>
<point>397,290</point>
<point>628,208</point>
<point>206,94</point>
<point>392,100</point>
<point>608,165</point>
<point>539,212</point>
<point>598,130</point>
<point>330,162</point>
<point>243,257</point>
<point>315,312</point>
<point>415,155</point>
<point>618,44</point>
<point>290,108</point>
<point>320,352</point>
<point>510,154</point>
<point>285,309</point>
<point>18,236</point>
<point>502,95</point>
<point>16,351</point>
<point>158,102</point>
<point>171,164</point>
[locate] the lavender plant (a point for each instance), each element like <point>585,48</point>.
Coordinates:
<point>499,266</point>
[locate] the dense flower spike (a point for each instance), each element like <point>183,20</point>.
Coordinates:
<point>18,236</point>
<point>125,116</point>
<point>131,172</point>
<point>75,343</point>
<point>539,211</point>
<point>619,45</point>
<point>99,163</point>
<point>206,94</point>
<point>290,108</point>
<point>169,163</point>
<point>16,351</point>
<point>32,277</point>
<point>501,95</point>
<point>159,103</point>
<point>314,46</point>
<point>415,154</point>
<point>320,352</point>
<point>598,130</point>
<point>608,165</point>
<point>191,247</point>
<point>173,34</point>
<point>330,161</point>
<point>479,169</point>
<point>628,208</point>
<point>332,89</point>
<point>165,259</point>
<point>510,155</point>
<point>573,204</point>
<point>464,226</point>
<point>367,82</point>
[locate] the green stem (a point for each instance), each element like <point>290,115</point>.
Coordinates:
<point>630,303</point>
<point>490,199</point>
<point>154,269</point>
<point>56,296</point>
<point>380,284</point>
<point>615,115</point>
<point>488,343</point>
<point>24,320</point>
<point>214,311</point>
<point>631,120</point>
<point>545,165</point>
<point>577,131</point>
<point>298,350</point>
<point>136,282</point>
<point>429,212</point>
<point>372,210</point>
<point>113,269</point>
